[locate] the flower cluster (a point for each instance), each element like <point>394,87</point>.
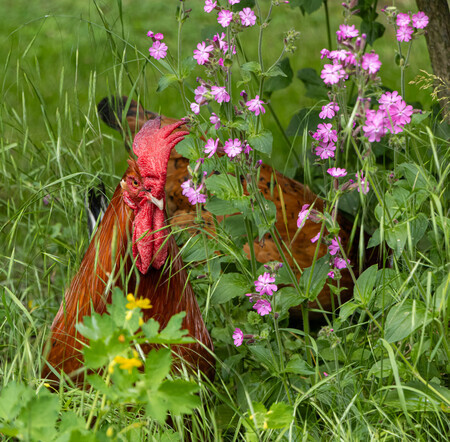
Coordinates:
<point>405,32</point>
<point>159,49</point>
<point>193,193</point>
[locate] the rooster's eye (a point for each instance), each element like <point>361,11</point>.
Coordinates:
<point>135,183</point>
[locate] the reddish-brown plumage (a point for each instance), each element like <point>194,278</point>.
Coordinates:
<point>109,256</point>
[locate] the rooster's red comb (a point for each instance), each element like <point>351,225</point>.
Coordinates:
<point>153,144</point>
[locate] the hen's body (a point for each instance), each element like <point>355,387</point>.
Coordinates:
<point>108,263</point>
<point>288,195</point>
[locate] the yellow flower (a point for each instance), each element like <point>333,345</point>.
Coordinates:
<point>133,303</point>
<point>128,363</point>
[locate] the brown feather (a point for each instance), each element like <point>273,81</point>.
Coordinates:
<point>168,289</point>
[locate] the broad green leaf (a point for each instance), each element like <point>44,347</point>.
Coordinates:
<point>348,309</point>
<point>275,71</point>
<point>173,332</point>
<point>220,207</point>
<point>417,177</point>
<point>315,87</point>
<point>150,329</point>
<point>280,415</point>
<point>396,238</point>
<point>262,142</point>
<point>229,286</point>
<point>313,284</point>
<point>307,6</point>
<point>223,186</point>
<point>157,365</point>
<point>117,308</point>
<point>188,148</point>
<point>263,355</point>
<point>96,327</point>
<point>304,119</point>
<point>13,397</point>
<point>373,30</point>
<point>280,82</point>
<point>364,284</point>
<point>381,369</point>
<point>298,366</point>
<point>165,81</point>
<point>252,66</point>
<point>403,319</point>
<point>265,217</point>
<point>288,297</point>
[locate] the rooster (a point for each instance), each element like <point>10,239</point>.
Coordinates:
<point>287,194</point>
<point>135,217</point>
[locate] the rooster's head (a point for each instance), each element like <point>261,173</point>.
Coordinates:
<point>143,191</point>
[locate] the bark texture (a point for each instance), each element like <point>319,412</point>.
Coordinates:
<point>438,42</point>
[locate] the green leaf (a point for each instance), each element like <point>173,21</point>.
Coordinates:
<point>265,217</point>
<point>173,331</point>
<point>288,297</point>
<point>275,71</point>
<point>404,318</point>
<point>150,328</point>
<point>187,66</point>
<point>299,366</point>
<point>165,81</point>
<point>262,142</point>
<point>229,286</point>
<point>381,369</point>
<point>373,30</point>
<point>96,327</point>
<point>117,309</point>
<point>280,415</point>
<point>157,365</point>
<point>315,87</point>
<point>222,186</point>
<point>252,66</point>
<point>364,285</point>
<point>13,397</point>
<point>262,355</point>
<point>220,207</point>
<point>317,280</point>
<point>281,81</point>
<point>307,6</point>
<point>188,148</point>
<point>396,238</point>
<point>304,119</point>
<point>417,177</point>
<point>348,309</point>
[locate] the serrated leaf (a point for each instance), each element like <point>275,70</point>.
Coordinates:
<point>150,328</point>
<point>229,286</point>
<point>403,319</point>
<point>13,397</point>
<point>96,327</point>
<point>262,142</point>
<point>165,81</point>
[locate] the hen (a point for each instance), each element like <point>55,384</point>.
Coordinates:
<point>135,214</point>
<point>288,195</point>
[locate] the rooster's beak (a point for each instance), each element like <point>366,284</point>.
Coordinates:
<point>158,203</point>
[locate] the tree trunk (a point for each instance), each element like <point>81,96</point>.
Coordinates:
<point>438,42</point>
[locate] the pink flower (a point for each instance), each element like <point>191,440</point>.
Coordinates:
<point>195,107</point>
<point>264,284</point>
<point>403,19</point>
<point>330,274</point>
<point>256,105</point>
<point>158,36</point>
<point>248,17</point>
<point>263,307</point>
<point>313,240</point>
<point>325,151</point>
<point>363,185</point>
<point>200,93</point>
<point>325,373</point>
<point>238,337</point>
<point>340,55</point>
<point>420,20</point>
<point>232,147</point>
<point>214,119</point>
<point>332,73</point>
<point>347,31</point>
<point>324,53</point>
<point>337,172</point>
<point>388,99</point>
<point>201,54</point>
<point>404,33</point>
<point>371,63</point>
<point>225,17</point>
<point>329,110</point>
<point>340,263</point>
<point>247,148</point>
<point>333,248</point>
<point>194,195</point>
<point>223,45</point>
<point>150,34</point>
<point>375,127</point>
<point>302,216</point>
<point>325,133</point>
<point>158,50</point>
<point>401,113</point>
<point>233,2</point>
<point>220,94</point>
<point>211,147</point>
<point>209,6</point>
